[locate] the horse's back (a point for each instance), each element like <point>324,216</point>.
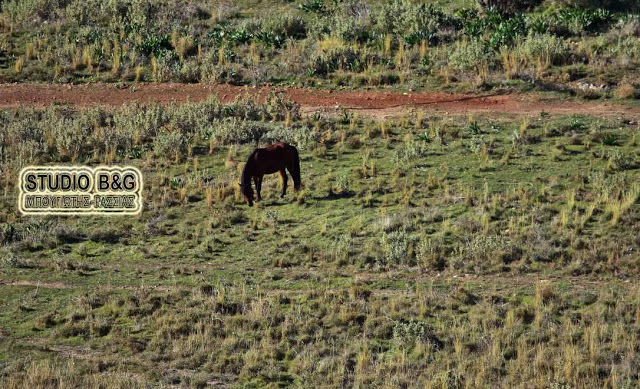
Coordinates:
<point>279,146</point>
<point>279,150</point>
<point>273,158</point>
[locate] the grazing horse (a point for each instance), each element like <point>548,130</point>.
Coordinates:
<point>274,158</point>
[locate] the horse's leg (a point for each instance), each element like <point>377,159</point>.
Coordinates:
<point>295,174</point>
<point>256,181</point>
<point>283,174</point>
<point>259,187</point>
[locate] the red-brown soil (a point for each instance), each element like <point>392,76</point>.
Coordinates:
<point>373,102</point>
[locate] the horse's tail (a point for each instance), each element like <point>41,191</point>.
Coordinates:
<point>295,169</point>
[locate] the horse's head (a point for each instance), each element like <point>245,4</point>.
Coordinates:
<point>247,192</point>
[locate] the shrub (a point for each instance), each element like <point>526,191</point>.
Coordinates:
<point>244,33</point>
<point>469,56</point>
<point>537,24</point>
<point>505,31</point>
<point>73,137</point>
<point>495,28</point>
<point>10,259</point>
<point>580,21</point>
<point>338,59</point>
<point>396,248</point>
<point>235,131</point>
<point>626,90</point>
<point>509,6</point>
<point>352,22</point>
<point>341,247</point>
<point>629,26</point>
<point>430,253</point>
<point>302,137</point>
<point>190,72</point>
<point>31,12</point>
<point>243,108</point>
<point>612,5</point>
<point>414,22</point>
<point>483,251</point>
<point>133,15</point>
<point>281,107</point>
<point>410,151</point>
<point>549,49</point>
<point>157,45</point>
<point>312,6</point>
<point>168,67</point>
<point>222,74</point>
<point>168,144</point>
<point>144,120</point>
<point>411,330</point>
<point>8,233</point>
<point>285,26</point>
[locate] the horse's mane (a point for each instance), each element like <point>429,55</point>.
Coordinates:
<point>245,178</point>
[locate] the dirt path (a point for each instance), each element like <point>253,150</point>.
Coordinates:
<point>495,282</point>
<point>377,103</point>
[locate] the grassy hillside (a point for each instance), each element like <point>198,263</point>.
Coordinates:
<point>589,48</point>
<point>436,251</point>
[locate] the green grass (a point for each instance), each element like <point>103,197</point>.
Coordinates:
<point>446,267</point>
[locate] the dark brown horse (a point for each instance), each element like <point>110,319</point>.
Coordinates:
<point>271,159</point>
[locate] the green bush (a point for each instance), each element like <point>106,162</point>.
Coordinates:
<point>494,28</point>
<point>546,47</point>
<point>143,120</point>
<point>232,74</point>
<point>168,144</point>
<point>132,15</point>
<point>312,6</point>
<point>31,12</point>
<point>235,131</point>
<point>612,5</point>
<point>410,151</point>
<point>628,26</point>
<point>302,137</point>
<point>65,134</point>
<point>396,248</point>
<point>285,26</point>
<point>10,259</point>
<point>628,48</point>
<point>509,6</point>
<point>430,253</point>
<point>414,22</point>
<point>411,331</point>
<point>352,22</point>
<point>278,106</point>
<point>338,59</point>
<point>579,21</point>
<point>469,56</point>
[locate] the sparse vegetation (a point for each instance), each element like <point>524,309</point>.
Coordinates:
<point>405,252</point>
<point>425,249</point>
<point>544,45</point>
